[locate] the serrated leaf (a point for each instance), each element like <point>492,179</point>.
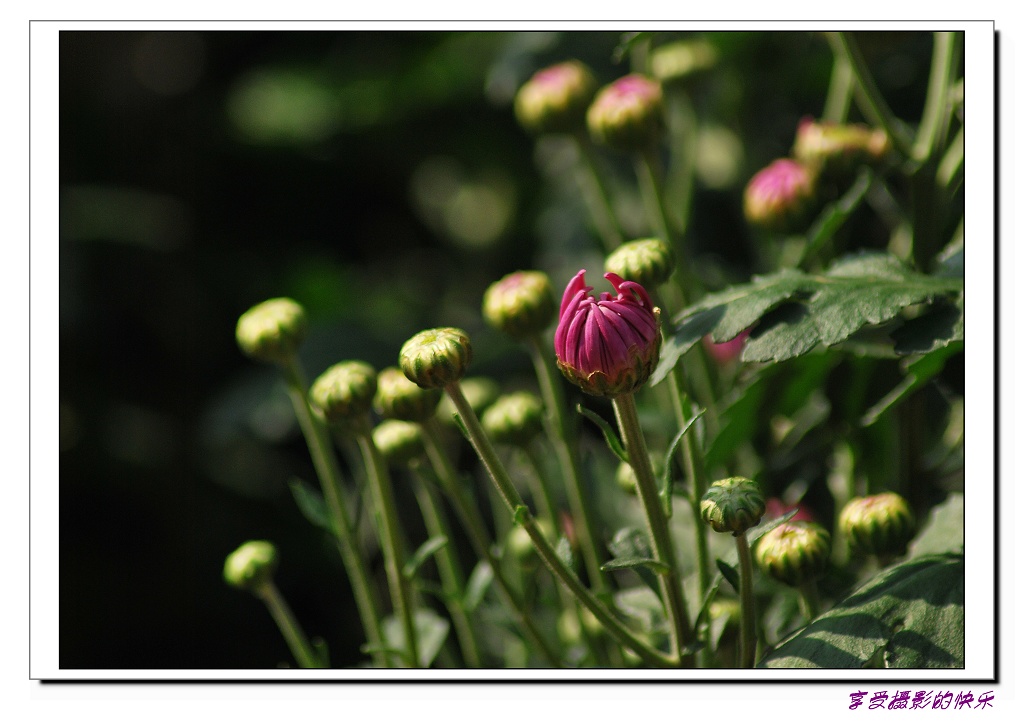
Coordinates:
<point>311,504</point>
<point>940,325</point>
<point>793,312</point>
<point>631,544</point>
<point>908,616</point>
<point>425,551</point>
<point>609,434</point>
<point>431,632</point>
<point>477,585</point>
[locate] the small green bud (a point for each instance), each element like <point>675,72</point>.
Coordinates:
<point>555,99</point>
<point>794,552</point>
<point>838,150</point>
<point>625,476</point>
<point>880,525</point>
<point>520,545</point>
<point>399,441</point>
<point>520,304</point>
<point>272,331</point>
<point>648,262</point>
<point>682,60</point>
<point>399,398</point>
<point>344,392</point>
<point>514,419</point>
<point>251,565</point>
<point>732,505</point>
<point>628,115</point>
<point>436,357</point>
<point>781,196</point>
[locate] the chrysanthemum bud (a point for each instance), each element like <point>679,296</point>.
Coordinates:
<point>344,392</point>
<point>732,505</point>
<point>399,441</point>
<point>682,60</point>
<point>555,99</point>
<point>628,115</point>
<point>480,393</point>
<point>272,331</point>
<point>838,150</point>
<point>781,196</point>
<point>514,419</point>
<point>521,304</point>
<point>607,346</point>
<point>648,262</point>
<point>436,357</point>
<point>881,525</point>
<point>399,398</point>
<point>251,565</point>
<point>794,552</point>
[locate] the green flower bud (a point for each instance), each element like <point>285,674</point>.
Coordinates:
<point>399,441</point>
<point>436,357</point>
<point>625,476</point>
<point>780,197</point>
<point>648,262</point>
<point>480,393</point>
<point>682,60</point>
<point>628,115</point>
<point>520,304</point>
<point>555,99</point>
<point>794,552</point>
<point>399,398</point>
<point>251,565</point>
<point>520,545</point>
<point>881,525</point>
<point>344,392</point>
<point>514,419</point>
<point>272,331</point>
<point>732,505</point>
<point>838,150</point>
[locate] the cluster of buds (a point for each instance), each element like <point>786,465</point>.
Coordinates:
<point>837,150</point>
<point>794,552</point>
<point>607,346</point>
<point>880,525</point>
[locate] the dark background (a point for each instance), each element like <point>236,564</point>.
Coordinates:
<point>380,179</point>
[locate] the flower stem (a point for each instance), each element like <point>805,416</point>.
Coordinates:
<point>669,581</point>
<point>480,540</point>
<point>558,429</point>
<point>290,629</point>
<point>748,638</point>
<point>548,555</point>
<point>935,117</point>
<point>597,196</point>
<point>384,500</point>
<point>453,582</point>
<point>810,600</point>
<point>326,466</point>
<point>840,91</point>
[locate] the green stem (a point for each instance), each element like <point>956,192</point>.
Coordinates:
<point>597,196</point>
<point>669,581</point>
<point>653,197</point>
<point>748,638</point>
<point>540,488</point>
<point>840,92</point>
<point>548,555</point>
<point>453,583</point>
<point>810,601</point>
<point>682,120</point>
<point>870,99</point>
<point>289,626</point>
<point>326,465</point>
<point>557,424</point>
<point>479,539</point>
<point>935,117</point>
<point>391,546</point>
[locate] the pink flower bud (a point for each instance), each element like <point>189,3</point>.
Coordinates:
<point>777,508</point>
<point>781,196</point>
<point>727,352</point>
<point>607,346</point>
<point>628,115</point>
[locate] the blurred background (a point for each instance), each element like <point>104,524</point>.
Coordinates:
<point>380,179</point>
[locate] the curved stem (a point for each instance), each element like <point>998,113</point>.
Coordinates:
<point>453,583</point>
<point>657,524</point>
<point>384,500</point>
<point>480,540</point>
<point>810,601</point>
<point>521,512</point>
<point>558,429</point>
<point>748,638</point>
<point>840,91</point>
<point>290,629</point>
<point>935,117</point>
<point>326,465</point>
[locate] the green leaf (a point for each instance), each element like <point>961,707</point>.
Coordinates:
<point>834,215</point>
<point>729,574</point>
<point>431,632</point>
<point>908,616</point>
<point>631,549</point>
<point>311,504</point>
<point>665,492</point>
<point>943,531</point>
<point>919,372</point>
<point>941,325</point>
<point>642,604</point>
<point>477,585</point>
<point>795,311</point>
<point>610,436</point>
<point>425,551</point>
<point>563,549</point>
